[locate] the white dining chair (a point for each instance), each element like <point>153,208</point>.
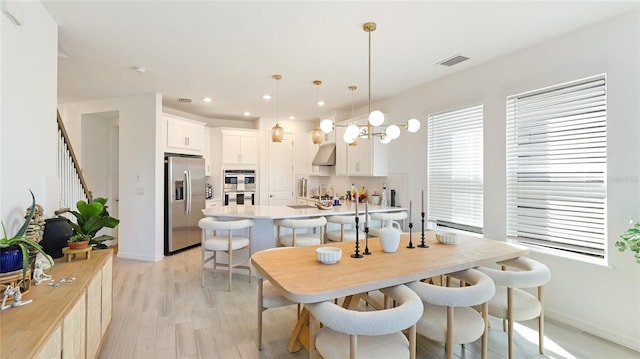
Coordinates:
<point>369,334</point>
<point>449,315</point>
<point>511,303</point>
<point>227,243</point>
<point>268,296</point>
<point>312,236</point>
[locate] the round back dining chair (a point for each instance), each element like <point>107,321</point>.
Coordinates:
<point>370,334</point>
<point>313,236</point>
<point>268,296</point>
<point>448,314</point>
<point>227,243</point>
<point>514,304</point>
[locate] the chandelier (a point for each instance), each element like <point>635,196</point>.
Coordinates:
<point>376,117</point>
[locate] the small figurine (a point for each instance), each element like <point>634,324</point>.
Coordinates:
<point>38,273</point>
<point>17,297</point>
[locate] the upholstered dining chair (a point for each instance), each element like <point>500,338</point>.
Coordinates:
<point>347,231</point>
<point>369,334</point>
<point>510,302</point>
<point>227,243</point>
<point>448,314</point>
<point>268,296</point>
<point>313,235</point>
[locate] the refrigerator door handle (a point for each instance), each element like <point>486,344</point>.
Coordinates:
<point>187,202</point>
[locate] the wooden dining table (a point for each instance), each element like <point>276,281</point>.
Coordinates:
<point>301,278</point>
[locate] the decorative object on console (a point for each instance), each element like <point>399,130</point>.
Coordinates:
<point>90,218</point>
<point>23,243</point>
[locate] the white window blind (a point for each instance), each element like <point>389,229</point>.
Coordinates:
<point>556,167</point>
<point>454,169</point>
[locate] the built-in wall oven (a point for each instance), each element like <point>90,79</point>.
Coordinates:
<point>239,187</point>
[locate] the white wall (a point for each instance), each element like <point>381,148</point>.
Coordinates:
<point>141,231</point>
<point>28,136</point>
<point>601,300</point>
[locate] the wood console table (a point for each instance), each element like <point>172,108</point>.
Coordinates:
<point>67,321</point>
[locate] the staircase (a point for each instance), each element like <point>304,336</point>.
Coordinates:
<point>73,186</point>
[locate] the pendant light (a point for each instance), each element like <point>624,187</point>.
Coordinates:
<point>317,136</point>
<point>352,131</point>
<point>277,132</point>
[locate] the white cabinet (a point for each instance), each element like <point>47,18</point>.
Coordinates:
<point>369,157</point>
<point>236,146</point>
<point>184,136</point>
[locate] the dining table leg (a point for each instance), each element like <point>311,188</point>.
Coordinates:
<point>300,337</point>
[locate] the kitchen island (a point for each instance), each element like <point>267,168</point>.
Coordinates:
<point>264,231</point>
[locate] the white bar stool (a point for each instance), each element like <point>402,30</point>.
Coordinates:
<point>300,239</point>
<point>347,230</point>
<point>224,243</point>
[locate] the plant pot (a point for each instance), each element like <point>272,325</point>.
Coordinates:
<point>10,259</point>
<point>78,245</point>
<point>57,232</point>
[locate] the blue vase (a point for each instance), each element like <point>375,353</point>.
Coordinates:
<point>10,260</point>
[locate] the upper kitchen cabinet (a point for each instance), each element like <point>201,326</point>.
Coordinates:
<point>236,146</point>
<point>368,157</point>
<point>184,136</point>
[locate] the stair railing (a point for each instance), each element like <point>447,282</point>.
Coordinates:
<point>73,186</point>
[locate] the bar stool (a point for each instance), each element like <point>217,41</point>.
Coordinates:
<point>227,243</point>
<point>300,239</point>
<point>347,231</point>
<point>386,216</point>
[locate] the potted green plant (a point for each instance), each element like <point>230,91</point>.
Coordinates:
<point>631,239</point>
<point>90,218</point>
<point>23,243</point>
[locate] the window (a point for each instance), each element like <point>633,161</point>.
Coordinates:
<point>556,168</point>
<point>454,169</point>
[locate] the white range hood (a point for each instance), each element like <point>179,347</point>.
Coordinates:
<point>326,155</point>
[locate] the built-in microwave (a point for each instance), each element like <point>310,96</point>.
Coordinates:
<point>239,187</point>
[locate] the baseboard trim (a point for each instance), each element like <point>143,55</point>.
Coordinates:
<point>138,257</point>
<point>618,338</point>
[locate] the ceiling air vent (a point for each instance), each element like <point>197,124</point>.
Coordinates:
<point>453,60</point>
<point>184,100</point>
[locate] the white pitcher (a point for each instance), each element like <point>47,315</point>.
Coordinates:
<point>390,236</point>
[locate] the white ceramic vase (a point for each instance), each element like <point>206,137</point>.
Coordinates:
<point>390,236</point>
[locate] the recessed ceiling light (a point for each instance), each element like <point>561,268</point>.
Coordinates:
<point>267,97</point>
<point>247,113</point>
<point>292,117</point>
<point>140,69</point>
<point>206,99</point>
<point>320,103</point>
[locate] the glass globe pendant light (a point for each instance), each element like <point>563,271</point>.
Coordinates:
<point>277,132</point>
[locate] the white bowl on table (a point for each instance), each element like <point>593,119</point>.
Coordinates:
<point>446,237</point>
<point>328,255</point>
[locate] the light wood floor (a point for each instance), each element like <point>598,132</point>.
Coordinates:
<point>161,311</point>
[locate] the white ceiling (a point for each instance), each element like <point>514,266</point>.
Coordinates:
<point>229,50</point>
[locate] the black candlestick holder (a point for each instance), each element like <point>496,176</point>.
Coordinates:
<point>410,246</point>
<point>366,241</point>
<point>357,253</point>
<point>422,244</point>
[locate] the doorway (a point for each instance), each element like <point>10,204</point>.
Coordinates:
<point>280,191</point>
<point>99,160</point>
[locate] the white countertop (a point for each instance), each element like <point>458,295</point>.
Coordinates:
<point>275,212</point>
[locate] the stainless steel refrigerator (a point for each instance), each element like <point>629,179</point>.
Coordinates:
<point>184,200</point>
